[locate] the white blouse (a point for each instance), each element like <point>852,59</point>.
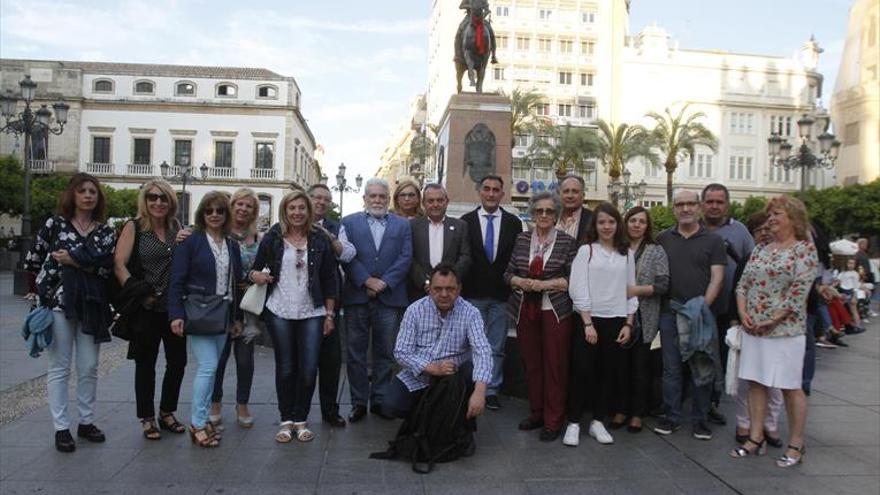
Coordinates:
<point>290,299</point>
<point>221,265</point>
<point>598,283</point>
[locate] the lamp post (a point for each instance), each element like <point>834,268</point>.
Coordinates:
<point>629,194</point>
<point>184,172</point>
<point>804,157</point>
<point>343,187</point>
<point>27,123</point>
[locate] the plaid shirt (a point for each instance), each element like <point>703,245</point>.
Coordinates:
<point>425,337</point>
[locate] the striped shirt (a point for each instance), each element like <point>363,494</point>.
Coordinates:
<point>425,337</point>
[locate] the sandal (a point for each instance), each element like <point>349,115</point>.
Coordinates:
<point>743,451</point>
<point>214,429</point>
<point>244,421</point>
<point>285,434</point>
<point>303,433</point>
<point>170,423</point>
<point>216,421</point>
<point>150,430</point>
<point>787,461</point>
<point>203,438</point>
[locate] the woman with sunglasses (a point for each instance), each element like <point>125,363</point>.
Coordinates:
<point>206,263</point>
<point>152,236</point>
<point>407,200</point>
<point>539,304</point>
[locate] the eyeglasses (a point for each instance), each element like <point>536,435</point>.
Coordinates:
<point>156,197</point>
<point>212,211</point>
<point>550,212</point>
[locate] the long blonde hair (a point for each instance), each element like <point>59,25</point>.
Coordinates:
<point>245,193</point>
<point>282,209</point>
<point>145,221</point>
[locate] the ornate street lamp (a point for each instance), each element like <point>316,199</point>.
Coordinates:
<point>343,187</point>
<point>804,157</point>
<point>185,173</point>
<point>629,194</point>
<point>28,123</point>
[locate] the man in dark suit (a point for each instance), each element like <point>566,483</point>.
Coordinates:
<point>575,216</point>
<point>436,240</point>
<point>492,232</point>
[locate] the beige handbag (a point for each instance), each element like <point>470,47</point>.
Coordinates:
<point>254,298</point>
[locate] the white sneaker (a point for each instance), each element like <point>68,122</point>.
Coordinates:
<point>598,431</point>
<point>572,435</point>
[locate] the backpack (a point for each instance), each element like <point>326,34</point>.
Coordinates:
<point>436,429</point>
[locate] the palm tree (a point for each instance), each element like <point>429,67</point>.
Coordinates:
<point>522,113</point>
<point>677,136</point>
<point>564,147</point>
<point>615,145</point>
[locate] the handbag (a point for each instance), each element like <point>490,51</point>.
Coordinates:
<point>208,314</point>
<point>254,299</point>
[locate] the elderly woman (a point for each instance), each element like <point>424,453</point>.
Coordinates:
<point>245,207</point>
<point>299,310</point>
<point>772,303</point>
<point>539,304</point>
<point>207,263</point>
<point>143,256</point>
<point>73,254</point>
<point>407,200</point>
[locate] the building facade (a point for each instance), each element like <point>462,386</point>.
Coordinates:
<point>244,125</point>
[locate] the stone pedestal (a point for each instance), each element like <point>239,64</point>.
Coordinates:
<point>474,140</point>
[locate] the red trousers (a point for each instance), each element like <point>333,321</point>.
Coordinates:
<point>840,316</point>
<point>545,347</point>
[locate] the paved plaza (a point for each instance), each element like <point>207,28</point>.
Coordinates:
<point>843,443</point>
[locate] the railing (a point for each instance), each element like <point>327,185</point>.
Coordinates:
<point>142,169</point>
<point>221,172</point>
<point>263,173</point>
<point>100,168</point>
<point>42,166</point>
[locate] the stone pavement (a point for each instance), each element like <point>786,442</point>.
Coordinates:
<point>843,446</point>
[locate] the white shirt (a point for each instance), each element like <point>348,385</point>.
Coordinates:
<point>435,241</point>
<point>496,226</point>
<point>849,280</point>
<point>221,265</point>
<point>598,283</point>
<point>290,299</point>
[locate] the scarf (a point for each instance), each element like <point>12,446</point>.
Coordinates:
<point>478,25</point>
<point>531,306</point>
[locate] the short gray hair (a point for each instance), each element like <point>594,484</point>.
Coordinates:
<point>578,178</point>
<point>377,181</point>
<point>680,191</point>
<point>541,196</point>
<point>433,186</point>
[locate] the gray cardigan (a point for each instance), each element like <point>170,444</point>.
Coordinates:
<point>652,268</point>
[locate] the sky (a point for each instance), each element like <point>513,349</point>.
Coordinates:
<point>359,63</point>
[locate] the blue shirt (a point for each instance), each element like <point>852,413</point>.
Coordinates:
<point>377,228</point>
<point>425,337</point>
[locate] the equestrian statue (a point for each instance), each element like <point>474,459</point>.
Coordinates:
<point>474,43</point>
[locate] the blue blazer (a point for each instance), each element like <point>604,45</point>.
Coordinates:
<point>389,263</point>
<point>193,271</point>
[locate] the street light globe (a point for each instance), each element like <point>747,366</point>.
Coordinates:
<point>28,88</point>
<point>163,168</point>
<point>805,125</point>
<point>43,115</point>
<point>61,108</point>
<point>358,181</point>
<point>204,170</point>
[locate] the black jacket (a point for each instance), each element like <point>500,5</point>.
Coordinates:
<point>485,280</point>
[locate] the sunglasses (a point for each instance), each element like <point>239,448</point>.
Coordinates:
<point>212,211</point>
<point>545,212</point>
<point>156,197</point>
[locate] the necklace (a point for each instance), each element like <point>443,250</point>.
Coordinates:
<point>79,226</point>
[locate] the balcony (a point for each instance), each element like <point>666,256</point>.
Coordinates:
<point>140,169</point>
<point>42,166</point>
<point>100,168</point>
<point>221,172</point>
<point>263,173</point>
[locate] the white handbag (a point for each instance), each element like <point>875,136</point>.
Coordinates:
<point>254,299</point>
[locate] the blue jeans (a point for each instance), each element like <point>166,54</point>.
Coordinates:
<point>365,322</point>
<point>496,323</point>
<point>297,346</point>
<point>673,382</point>
<point>207,350</point>
<point>244,366</point>
<point>823,317</point>
<point>66,334</point>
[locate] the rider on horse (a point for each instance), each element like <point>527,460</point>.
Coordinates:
<point>473,17</point>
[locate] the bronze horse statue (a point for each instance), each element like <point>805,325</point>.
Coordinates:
<point>474,44</point>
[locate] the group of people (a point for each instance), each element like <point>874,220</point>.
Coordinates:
<point>610,318</point>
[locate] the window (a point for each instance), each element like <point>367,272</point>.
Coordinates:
<point>650,203</point>
<point>701,166</point>
<point>100,149</point>
<point>522,43</point>
<point>586,79</point>
<point>588,17</point>
<point>741,167</point>
<point>502,42</point>
<point>780,125</point>
<point>542,109</point>
<point>565,78</point>
<point>185,88</point>
<point>182,152</point>
<point>544,44</point>
<point>270,92</point>
<point>265,155</point>
<point>652,170</point>
<point>223,154</point>
<point>564,109</point>
<point>227,90</point>
<point>586,111</point>
<point>566,46</point>
<point>780,174</point>
<point>502,11</point>
<point>498,73</point>
<point>144,88</point>
<point>588,47</point>
<point>521,140</point>
<point>741,123</point>
<point>103,86</point>
<point>143,151</point>
<point>545,14</point>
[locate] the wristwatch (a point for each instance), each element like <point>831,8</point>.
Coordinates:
<point>330,316</point>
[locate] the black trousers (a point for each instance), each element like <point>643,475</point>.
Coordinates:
<point>154,329</point>
<point>641,380</point>
<point>600,372</point>
<point>329,366</point>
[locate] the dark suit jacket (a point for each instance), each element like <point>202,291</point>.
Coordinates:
<point>582,225</point>
<point>486,280</point>
<point>389,263</point>
<point>456,252</point>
